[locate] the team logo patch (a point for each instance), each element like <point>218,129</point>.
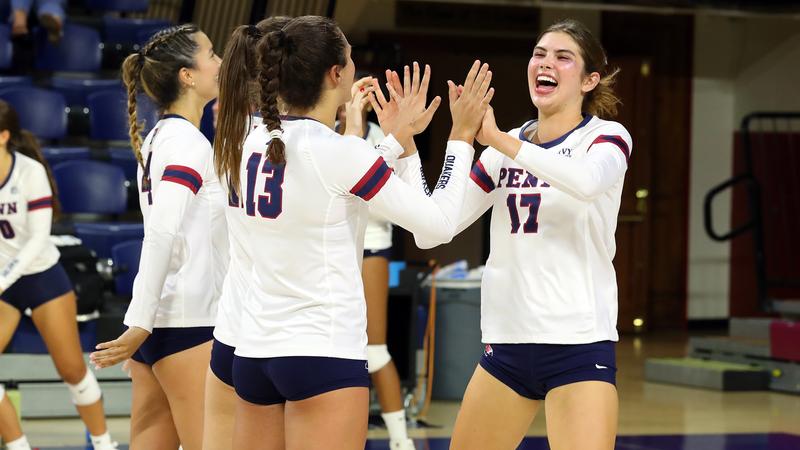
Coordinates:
<point>487,350</point>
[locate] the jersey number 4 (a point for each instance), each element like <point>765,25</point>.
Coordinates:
<point>532,202</point>
<point>270,203</point>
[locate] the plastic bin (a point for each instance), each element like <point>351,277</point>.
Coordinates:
<point>458,338</point>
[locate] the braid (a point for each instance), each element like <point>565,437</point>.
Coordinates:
<point>272,48</point>
<point>131,73</point>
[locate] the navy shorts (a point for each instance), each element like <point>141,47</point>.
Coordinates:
<point>385,253</point>
<point>168,341</point>
<point>222,362</point>
<point>532,370</point>
<point>36,289</point>
<point>271,381</point>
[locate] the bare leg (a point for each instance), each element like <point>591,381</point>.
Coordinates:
<point>10,428</point>
<point>492,415</point>
<point>220,409</point>
<point>258,427</point>
<point>566,412</point>
<point>55,321</point>
<point>152,427</point>
<point>318,422</point>
<point>182,376</point>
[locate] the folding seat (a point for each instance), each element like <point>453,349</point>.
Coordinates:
<point>126,265</point>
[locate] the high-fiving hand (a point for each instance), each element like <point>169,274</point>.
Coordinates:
<point>468,105</point>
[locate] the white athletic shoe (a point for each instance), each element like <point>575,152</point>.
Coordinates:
<point>406,444</point>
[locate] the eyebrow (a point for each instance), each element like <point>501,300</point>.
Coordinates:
<point>562,50</point>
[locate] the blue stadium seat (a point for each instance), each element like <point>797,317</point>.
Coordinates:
<point>7,81</point>
<point>6,47</point>
<point>124,158</point>
<point>90,187</point>
<point>126,265</point>
<point>118,5</point>
<point>55,155</point>
<point>108,114</point>
<point>40,111</point>
<point>127,31</point>
<point>102,237</point>
<point>79,50</point>
<point>76,90</point>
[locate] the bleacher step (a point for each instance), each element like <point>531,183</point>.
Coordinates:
<point>701,373</point>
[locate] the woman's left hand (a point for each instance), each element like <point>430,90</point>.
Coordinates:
<point>354,109</point>
<point>116,351</point>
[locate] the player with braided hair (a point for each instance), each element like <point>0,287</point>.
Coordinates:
<point>185,249</point>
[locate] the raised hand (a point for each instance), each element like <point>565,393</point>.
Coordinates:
<point>120,349</point>
<point>469,105</point>
<point>360,94</point>
<point>406,107</point>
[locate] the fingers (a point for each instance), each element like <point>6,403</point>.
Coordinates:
<point>104,345</point>
<point>381,99</point>
<point>426,78</point>
<point>406,81</point>
<point>487,98</point>
<point>425,118</point>
<point>484,87</point>
<point>415,79</point>
<point>452,92</point>
<point>361,84</point>
<point>392,93</point>
<point>394,78</point>
<point>477,83</point>
<point>473,72</point>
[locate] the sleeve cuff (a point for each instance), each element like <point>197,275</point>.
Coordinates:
<point>390,149</point>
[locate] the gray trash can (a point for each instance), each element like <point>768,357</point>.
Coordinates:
<point>458,338</point>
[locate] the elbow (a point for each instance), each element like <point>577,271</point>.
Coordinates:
<point>435,238</point>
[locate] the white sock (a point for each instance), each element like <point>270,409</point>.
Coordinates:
<point>102,442</point>
<point>19,444</point>
<point>396,424</point>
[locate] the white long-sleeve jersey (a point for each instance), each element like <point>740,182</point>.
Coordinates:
<point>305,226</point>
<point>26,215</point>
<point>549,278</point>
<point>185,249</point>
<point>237,282</point>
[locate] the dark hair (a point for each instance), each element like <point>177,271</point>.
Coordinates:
<point>24,142</point>
<point>154,71</point>
<point>601,101</point>
<point>238,94</point>
<point>294,61</point>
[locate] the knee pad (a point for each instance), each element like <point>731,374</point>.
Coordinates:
<point>87,391</point>
<point>2,392</point>
<point>377,357</point>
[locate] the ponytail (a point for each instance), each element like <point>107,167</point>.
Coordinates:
<point>131,73</point>
<point>272,48</point>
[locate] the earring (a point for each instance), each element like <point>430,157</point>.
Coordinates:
<point>192,83</point>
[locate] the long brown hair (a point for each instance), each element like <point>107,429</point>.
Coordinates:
<point>24,142</point>
<point>600,101</point>
<point>154,71</point>
<point>293,65</point>
<point>238,94</point>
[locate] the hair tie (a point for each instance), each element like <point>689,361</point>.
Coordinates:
<point>140,58</point>
<point>276,134</point>
<point>253,31</point>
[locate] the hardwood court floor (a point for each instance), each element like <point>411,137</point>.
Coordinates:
<point>652,416</point>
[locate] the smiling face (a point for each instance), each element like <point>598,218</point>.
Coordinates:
<point>557,79</point>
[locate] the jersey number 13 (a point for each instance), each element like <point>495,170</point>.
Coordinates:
<point>269,202</point>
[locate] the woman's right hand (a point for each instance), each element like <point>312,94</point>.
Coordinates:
<point>405,114</point>
<point>468,105</point>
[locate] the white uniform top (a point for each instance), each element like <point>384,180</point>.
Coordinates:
<point>237,281</point>
<point>305,227</point>
<point>26,214</point>
<point>549,278</point>
<point>185,249</point>
<point>379,230</point>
